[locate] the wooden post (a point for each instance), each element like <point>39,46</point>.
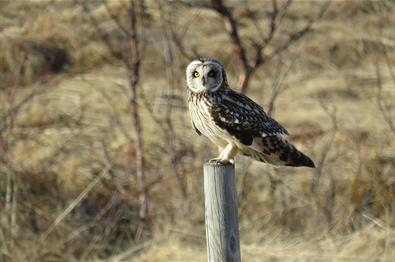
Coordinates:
<point>222,225</point>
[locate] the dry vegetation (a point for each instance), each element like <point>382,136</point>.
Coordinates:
<point>68,185</point>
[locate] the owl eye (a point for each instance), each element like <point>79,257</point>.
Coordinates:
<point>196,74</point>
<point>211,74</point>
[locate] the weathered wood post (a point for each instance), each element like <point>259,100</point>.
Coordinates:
<point>222,225</point>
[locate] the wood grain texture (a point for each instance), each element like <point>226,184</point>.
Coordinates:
<point>222,225</point>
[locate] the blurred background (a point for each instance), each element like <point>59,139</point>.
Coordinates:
<point>99,160</point>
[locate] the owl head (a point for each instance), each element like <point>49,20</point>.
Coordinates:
<point>205,75</point>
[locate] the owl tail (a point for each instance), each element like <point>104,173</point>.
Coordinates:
<point>277,151</point>
<point>291,156</point>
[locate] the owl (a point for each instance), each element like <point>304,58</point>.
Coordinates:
<point>234,122</point>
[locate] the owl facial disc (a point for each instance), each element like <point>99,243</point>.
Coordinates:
<point>204,76</point>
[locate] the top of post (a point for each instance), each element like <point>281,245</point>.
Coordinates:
<point>218,164</point>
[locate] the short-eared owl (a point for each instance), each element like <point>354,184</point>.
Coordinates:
<point>233,121</point>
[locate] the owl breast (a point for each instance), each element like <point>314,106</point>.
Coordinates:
<point>199,108</point>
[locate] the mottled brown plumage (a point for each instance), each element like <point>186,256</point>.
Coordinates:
<point>233,121</point>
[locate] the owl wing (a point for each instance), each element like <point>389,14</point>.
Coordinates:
<point>261,136</point>
<point>244,119</point>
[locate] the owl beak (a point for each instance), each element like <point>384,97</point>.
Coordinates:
<point>204,80</point>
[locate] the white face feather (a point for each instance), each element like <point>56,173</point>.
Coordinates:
<point>204,76</point>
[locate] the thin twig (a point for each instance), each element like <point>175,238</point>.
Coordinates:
<point>115,19</point>
<point>294,37</point>
<point>134,71</point>
<point>75,203</point>
<point>384,107</point>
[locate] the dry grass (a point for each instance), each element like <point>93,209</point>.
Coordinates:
<point>368,244</point>
<point>54,207</point>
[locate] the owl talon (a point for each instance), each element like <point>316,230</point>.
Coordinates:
<point>213,161</point>
<point>221,161</point>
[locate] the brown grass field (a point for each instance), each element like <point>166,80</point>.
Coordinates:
<point>68,186</point>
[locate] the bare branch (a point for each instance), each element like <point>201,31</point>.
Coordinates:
<point>327,147</point>
<point>103,35</point>
<point>275,19</point>
<point>178,40</point>
<point>276,15</point>
<point>294,37</point>
<point>75,202</point>
<point>384,107</point>
<point>169,130</point>
<point>115,19</point>
<point>231,28</point>
<point>138,142</point>
<point>277,86</point>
